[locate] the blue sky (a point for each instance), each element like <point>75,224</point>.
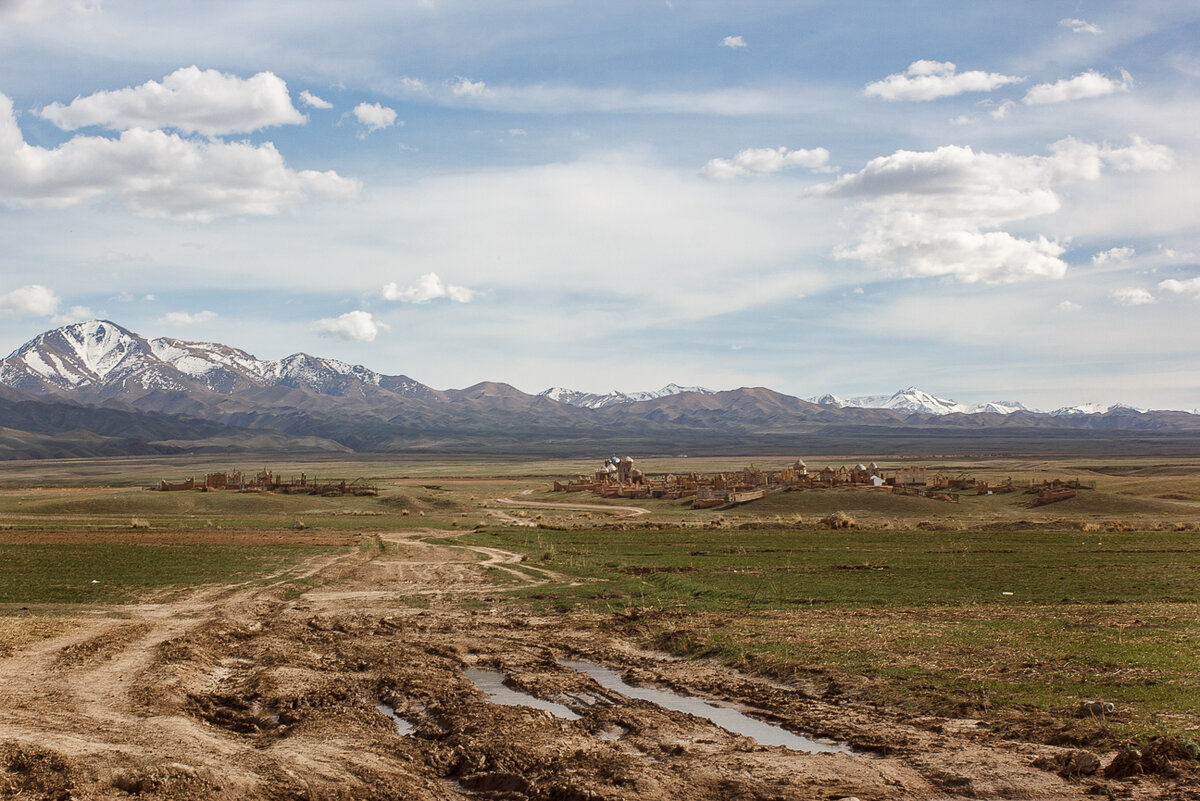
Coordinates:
<point>991,201</point>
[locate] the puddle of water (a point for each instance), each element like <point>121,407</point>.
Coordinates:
<point>402,725</point>
<point>729,719</point>
<point>492,683</point>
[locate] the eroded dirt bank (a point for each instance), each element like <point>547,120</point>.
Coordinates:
<point>263,692</point>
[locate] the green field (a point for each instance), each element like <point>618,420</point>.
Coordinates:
<point>126,572</point>
<point>918,619</point>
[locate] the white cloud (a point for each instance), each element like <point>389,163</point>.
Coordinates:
<point>309,99</point>
<point>34,300</point>
<point>940,212</point>
<point>1081,26</point>
<point>569,99</point>
<point>186,318</point>
<point>1001,111</point>
<point>764,161</point>
<point>74,315</point>
<point>1068,306</point>
<point>412,84</point>
<point>374,116</point>
<point>28,10</point>
<point>190,100</point>
<point>355,325</point>
<point>1083,86</point>
<point>1189,286</point>
<point>426,288</point>
<point>517,132</point>
<point>465,87</point>
<point>733,42</point>
<point>157,174</point>
<point>928,80</point>
<point>1113,255</point>
<point>1132,296</point>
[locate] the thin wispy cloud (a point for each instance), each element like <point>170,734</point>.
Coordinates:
<point>930,80</point>
<point>311,100</point>
<point>1132,296</point>
<point>1081,26</point>
<point>75,314</point>
<point>181,318</point>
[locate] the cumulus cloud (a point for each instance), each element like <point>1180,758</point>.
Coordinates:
<point>1068,306</point>
<point>1081,26</point>
<point>1113,255</point>
<point>426,288</point>
<point>190,100</point>
<point>733,42</point>
<point>186,318</point>
<point>309,99</point>
<point>465,87</point>
<point>1083,86</point>
<point>764,161</point>
<point>1189,286</point>
<point>157,174</point>
<point>942,212</point>
<point>1132,296</point>
<point>928,80</point>
<point>374,116</point>
<point>356,325</point>
<point>34,300</point>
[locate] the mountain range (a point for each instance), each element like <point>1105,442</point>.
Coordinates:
<point>96,388</point>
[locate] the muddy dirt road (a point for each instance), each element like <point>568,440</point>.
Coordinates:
<point>270,692</point>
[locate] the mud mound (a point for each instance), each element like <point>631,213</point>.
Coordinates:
<point>27,770</point>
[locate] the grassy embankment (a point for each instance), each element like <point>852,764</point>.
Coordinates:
<point>1018,626</point>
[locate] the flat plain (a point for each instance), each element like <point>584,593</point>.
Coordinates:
<point>249,637</point>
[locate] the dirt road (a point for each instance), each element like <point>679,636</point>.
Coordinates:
<point>268,692</point>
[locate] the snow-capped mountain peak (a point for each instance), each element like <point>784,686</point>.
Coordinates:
<point>917,400</point>
<point>102,359</point>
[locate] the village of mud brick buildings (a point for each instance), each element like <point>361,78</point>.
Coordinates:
<point>619,478</point>
<point>269,481</point>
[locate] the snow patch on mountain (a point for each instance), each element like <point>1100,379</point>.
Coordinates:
<point>591,400</point>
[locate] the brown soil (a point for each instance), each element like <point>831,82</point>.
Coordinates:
<point>246,692</point>
<point>151,537</point>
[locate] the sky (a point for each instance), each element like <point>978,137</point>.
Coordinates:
<point>988,200</point>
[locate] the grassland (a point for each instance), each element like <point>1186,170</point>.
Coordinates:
<point>1003,622</point>
<point>981,608</point>
<point>124,572</point>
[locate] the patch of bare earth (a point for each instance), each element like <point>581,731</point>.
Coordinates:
<point>255,692</point>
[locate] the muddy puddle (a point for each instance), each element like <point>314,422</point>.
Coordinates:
<point>729,719</point>
<point>492,683</point>
<point>402,725</point>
